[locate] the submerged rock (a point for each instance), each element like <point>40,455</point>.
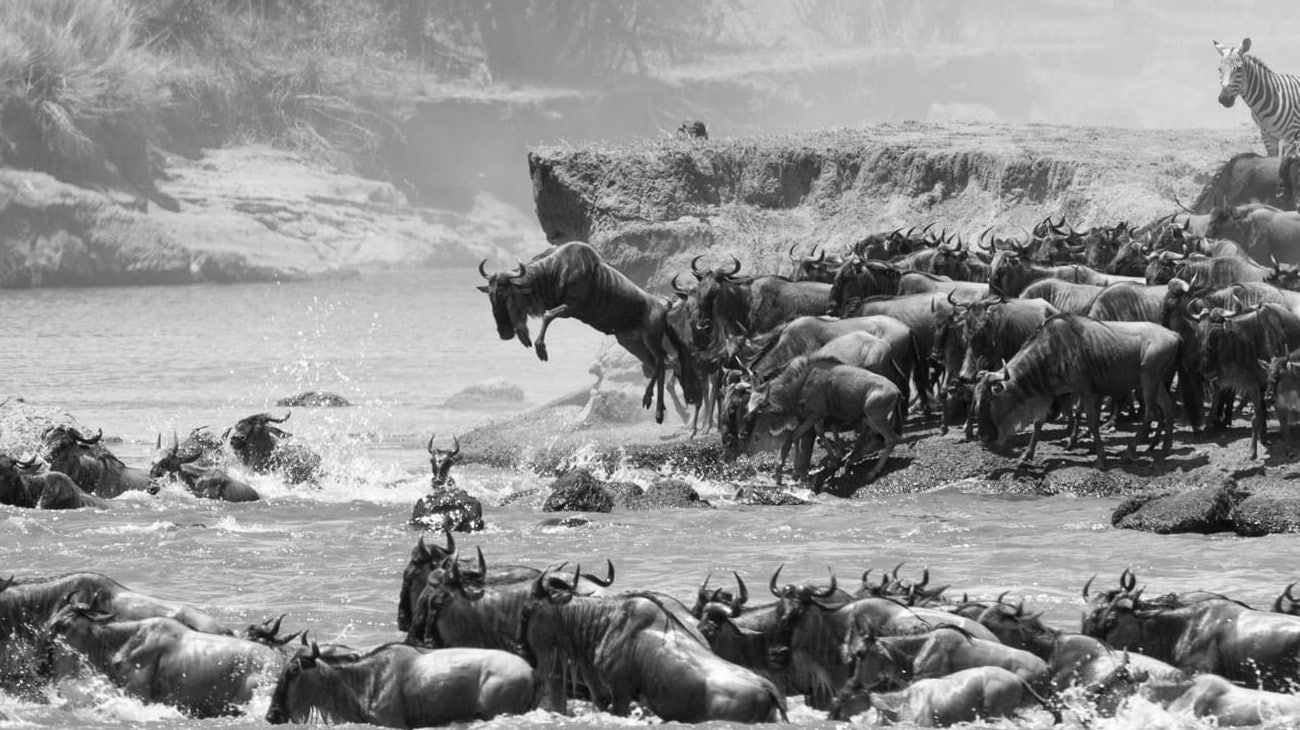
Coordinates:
<point>624,492</point>
<point>493,393</point>
<point>756,495</point>
<point>448,509</point>
<point>668,494</point>
<point>578,490</point>
<point>314,399</point>
<point>1203,510</point>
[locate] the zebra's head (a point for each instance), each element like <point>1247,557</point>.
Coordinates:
<point>1230,62</point>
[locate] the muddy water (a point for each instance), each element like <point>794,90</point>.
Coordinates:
<point>137,361</point>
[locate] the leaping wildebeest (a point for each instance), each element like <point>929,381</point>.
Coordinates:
<point>572,280</point>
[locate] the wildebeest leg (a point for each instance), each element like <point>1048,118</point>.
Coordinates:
<point>539,344</point>
<point>1092,407</point>
<point>876,409</point>
<point>803,455</point>
<point>1261,421</point>
<point>1028,456</point>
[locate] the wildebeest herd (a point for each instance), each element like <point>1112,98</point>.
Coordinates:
<point>483,640</point>
<point>1001,332</point>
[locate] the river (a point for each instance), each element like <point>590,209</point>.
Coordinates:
<point>140,361</point>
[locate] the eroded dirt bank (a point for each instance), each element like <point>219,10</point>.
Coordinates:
<point>650,206</point>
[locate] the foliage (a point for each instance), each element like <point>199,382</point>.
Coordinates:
<point>68,67</point>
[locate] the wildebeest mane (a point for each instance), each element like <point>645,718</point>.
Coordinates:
<point>1205,201</point>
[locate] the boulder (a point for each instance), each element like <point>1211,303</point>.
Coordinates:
<point>617,405</point>
<point>520,496</point>
<point>578,490</point>
<point>314,399</point>
<point>1204,509</point>
<point>668,494</point>
<point>756,495</point>
<point>1268,509</point>
<point>624,492</point>
<point>22,425</point>
<point>449,509</point>
<point>489,394</point>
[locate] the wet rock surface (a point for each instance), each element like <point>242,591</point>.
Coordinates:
<point>669,494</point>
<point>448,509</point>
<point>314,399</point>
<point>578,491</point>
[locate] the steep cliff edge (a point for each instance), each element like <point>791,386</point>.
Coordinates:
<point>649,206</point>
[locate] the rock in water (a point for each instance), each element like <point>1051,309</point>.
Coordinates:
<point>314,399</point>
<point>1202,510</point>
<point>1267,510</point>
<point>668,494</point>
<point>578,491</point>
<point>493,393</point>
<point>448,509</point>
<point>755,495</point>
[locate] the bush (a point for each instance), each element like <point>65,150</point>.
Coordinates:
<point>70,71</point>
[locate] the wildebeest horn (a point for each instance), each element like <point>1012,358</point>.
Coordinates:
<point>482,271</point>
<point>1277,602</point>
<point>1127,580</point>
<point>952,301</point>
<point>274,628</point>
<point>925,578</point>
<point>158,444</point>
<point>705,585</point>
<point>25,463</point>
<point>521,270</point>
<point>1089,583</point>
<point>821,256</point>
<point>455,444</point>
<point>865,573</point>
<point>1200,312</point>
<point>176,442</point>
<point>577,576</point>
<point>695,267</point>
<point>743,597</point>
<point>791,253</point>
<point>422,549</point>
<point>429,448</point>
<point>287,413</point>
<point>830,590</point>
<point>771,584</point>
<point>608,580</point>
<point>315,648</point>
<point>1286,592</point>
<point>482,564</point>
<point>451,542</point>
<point>734,269</point>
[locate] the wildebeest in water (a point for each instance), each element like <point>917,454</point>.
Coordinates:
<point>264,447</point>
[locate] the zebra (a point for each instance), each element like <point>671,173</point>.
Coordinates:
<point>1273,98</point>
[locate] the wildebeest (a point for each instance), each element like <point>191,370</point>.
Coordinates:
<point>91,465</point>
<point>1214,272</point>
<point>441,461</point>
<point>805,335</point>
<point>1247,177</point>
<point>883,662</point>
<point>263,448</point>
<point>1065,296</point>
<point>734,304</point>
<point>1073,355</point>
<point>1236,347</point>
<point>822,395</point>
<point>979,693</point>
<point>163,660</point>
<point>1269,235</point>
<point>395,685</point>
<point>869,352</point>
<point>816,267</point>
<point>633,647</point>
<point>207,482</point>
<point>1283,393</point>
<point>1127,302</point>
<point>1229,705</point>
<point>1201,633</point>
<point>29,602</point>
<point>51,490</point>
<point>572,280</point>
<point>1011,273</point>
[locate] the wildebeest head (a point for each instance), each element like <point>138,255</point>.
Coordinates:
<point>424,559</point>
<point>1228,221</point>
<point>441,461</point>
<point>511,295</point>
<point>168,460</point>
<point>1005,406</point>
<point>859,278</point>
<point>554,589</point>
<point>793,601</point>
<point>296,696</point>
<point>816,267</point>
<point>1231,61</point>
<point>254,438</point>
<point>712,281</point>
<point>65,445</point>
<point>733,601</point>
<point>12,490</point>
<point>871,663</point>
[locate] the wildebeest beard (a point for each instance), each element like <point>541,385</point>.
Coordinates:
<point>512,305</point>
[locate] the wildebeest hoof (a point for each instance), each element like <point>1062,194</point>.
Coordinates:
<point>541,352</point>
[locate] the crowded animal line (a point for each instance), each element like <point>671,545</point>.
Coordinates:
<point>483,640</point>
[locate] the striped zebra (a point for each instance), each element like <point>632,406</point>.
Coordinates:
<point>1273,98</point>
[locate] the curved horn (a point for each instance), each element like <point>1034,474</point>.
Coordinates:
<point>791,254</point>
<point>821,256</point>
<point>1086,585</point>
<point>734,269</point>
<point>925,578</point>
<point>1286,593</point>
<point>158,443</point>
<point>455,444</point>
<point>678,287</point>
<point>429,448</point>
<point>577,576</point>
<point>1200,312</point>
<point>1127,580</point>
<point>953,302</point>
<point>695,267</point>
<point>608,580</point>
<point>830,590</point>
<point>482,564</point>
<point>275,627</point>
<point>315,648</point>
<point>482,271</point>
<point>865,573</point>
<point>743,597</point>
<point>422,549</point>
<point>771,584</point>
<point>287,413</point>
<point>99,434</point>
